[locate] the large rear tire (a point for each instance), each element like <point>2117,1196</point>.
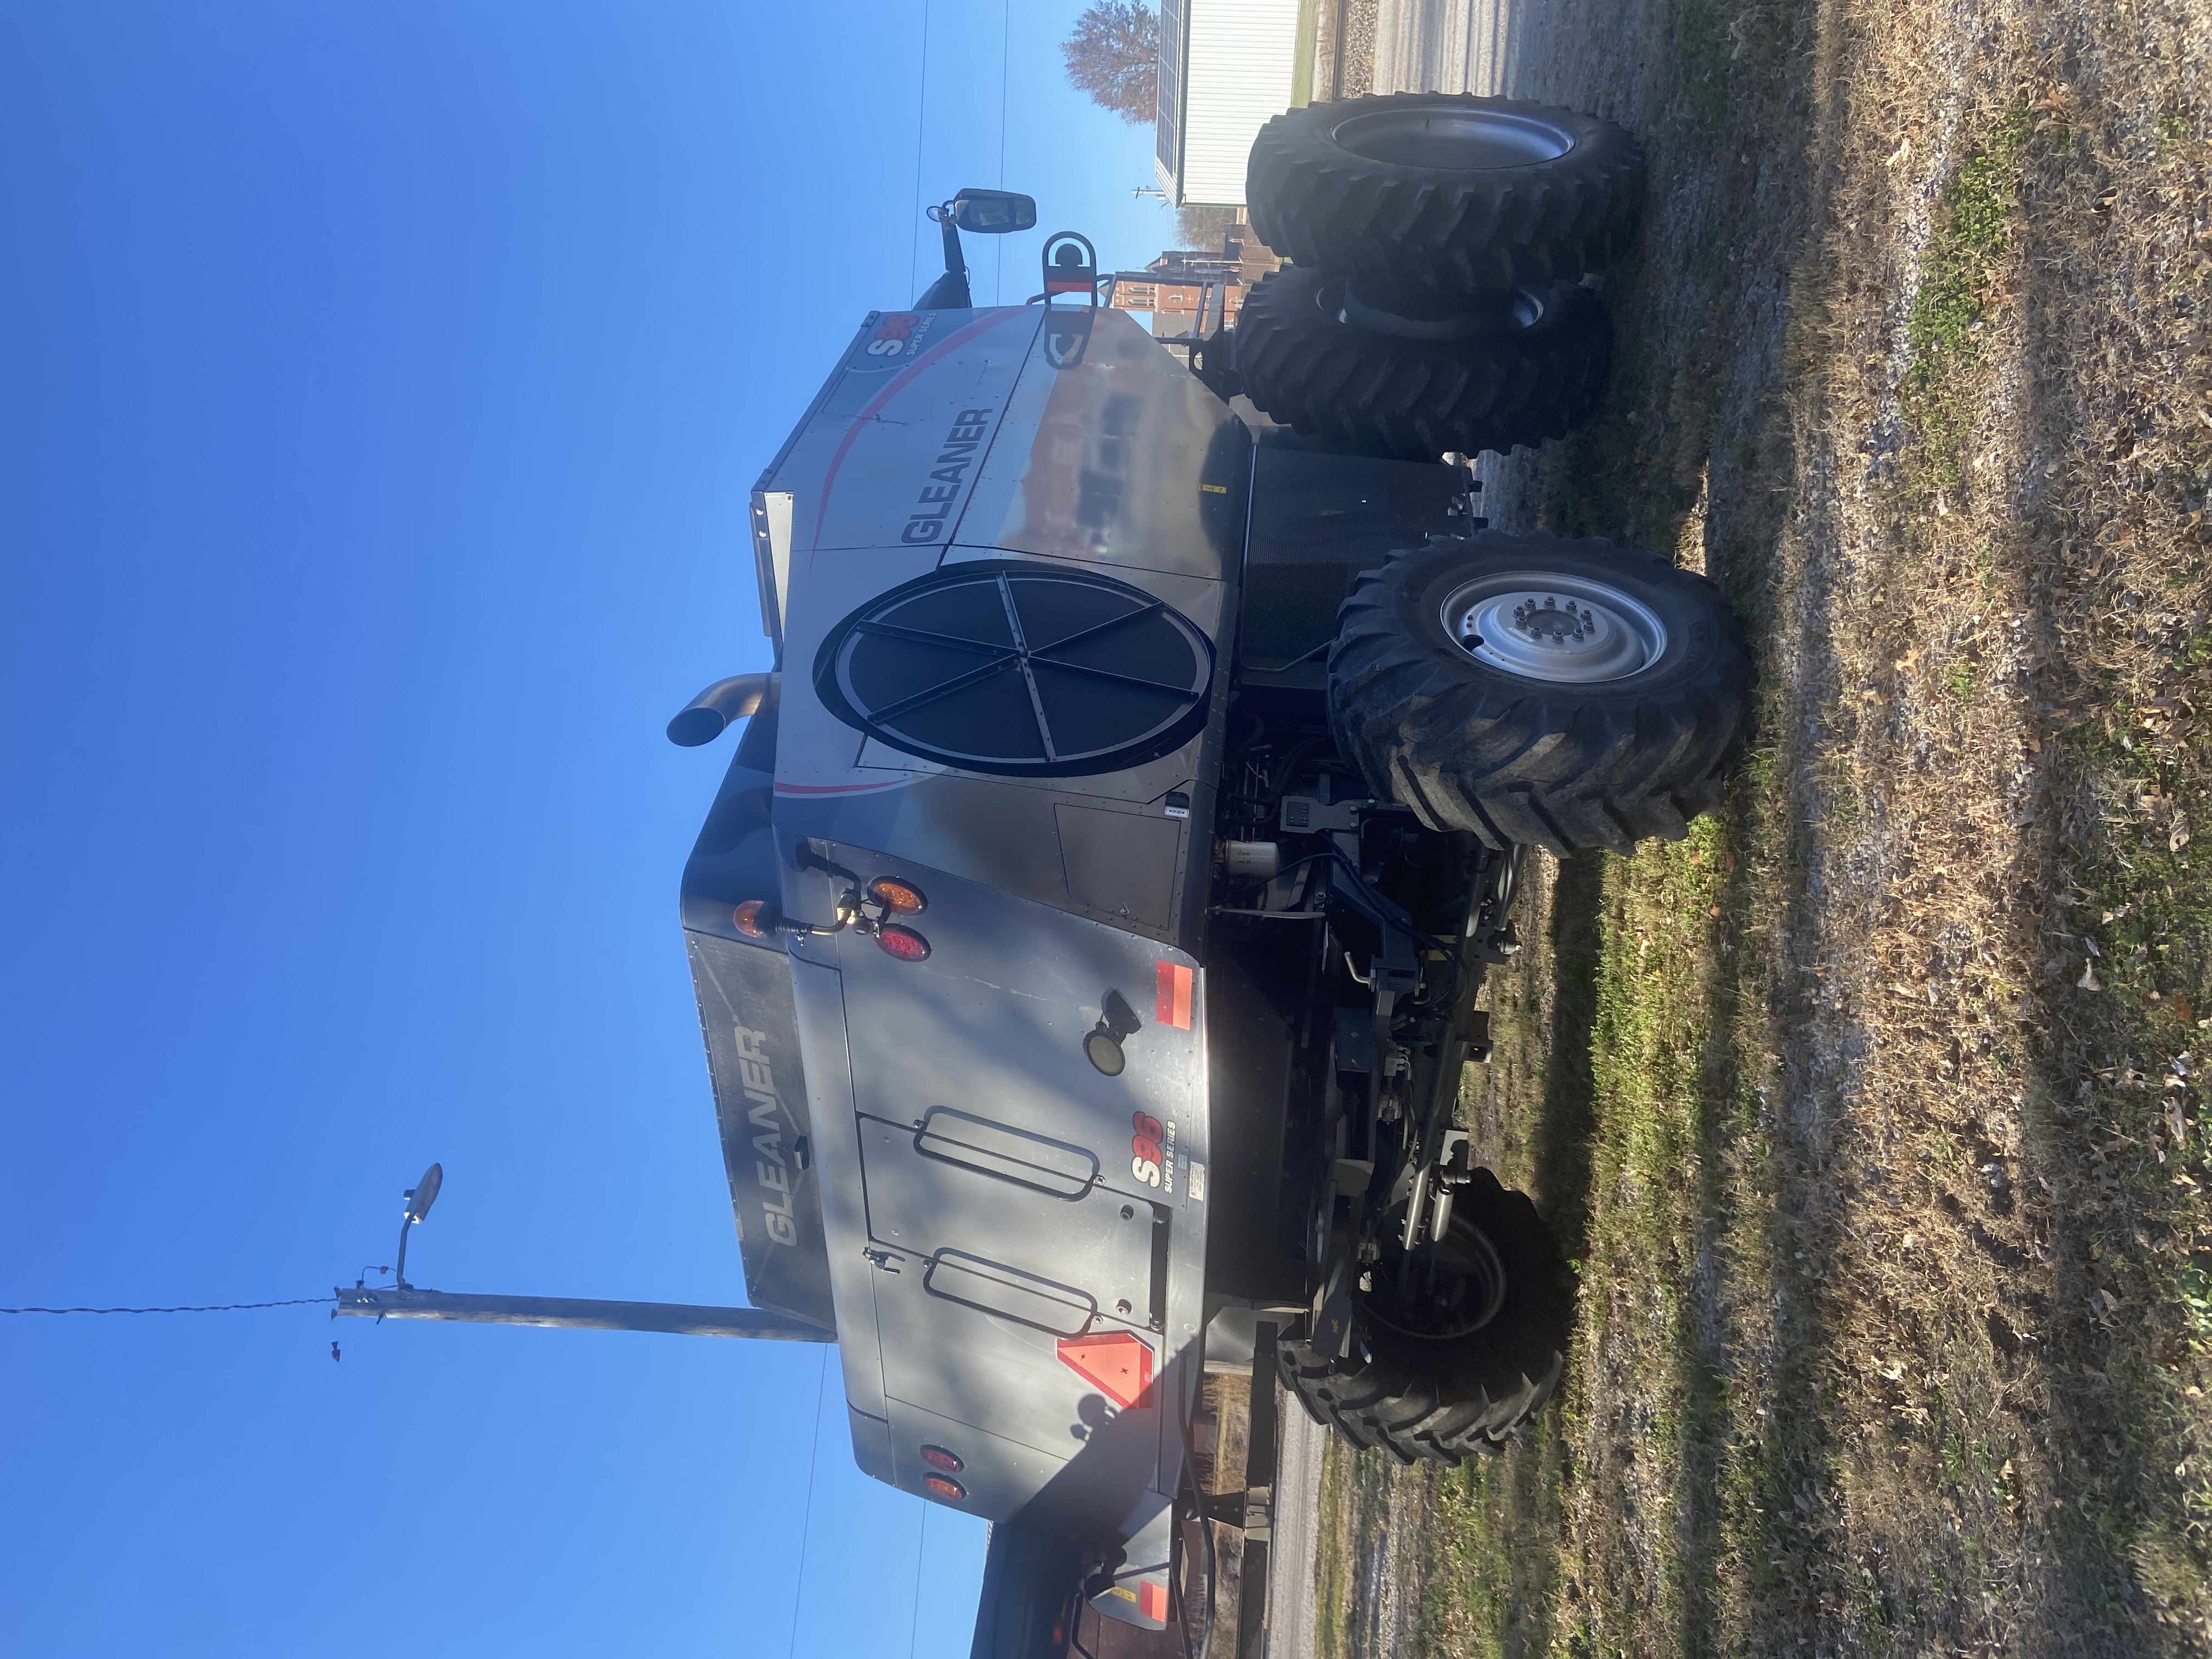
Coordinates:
<point>1537,690</point>
<point>1444,1396</point>
<point>1430,199</point>
<point>1535,371</point>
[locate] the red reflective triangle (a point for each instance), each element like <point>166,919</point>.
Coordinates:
<point>1118,1365</point>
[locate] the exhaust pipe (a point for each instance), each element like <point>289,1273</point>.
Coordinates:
<point>704,718</point>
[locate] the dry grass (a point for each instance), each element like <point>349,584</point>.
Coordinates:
<point>1875,1113</point>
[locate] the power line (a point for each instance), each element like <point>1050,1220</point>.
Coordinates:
<point>921,1542</point>
<point>921,109</point>
<point>806,1515</point>
<point>219,1307</point>
<point>999,270</point>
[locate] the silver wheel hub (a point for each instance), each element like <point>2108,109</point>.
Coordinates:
<point>1453,136</point>
<point>1566,629</point>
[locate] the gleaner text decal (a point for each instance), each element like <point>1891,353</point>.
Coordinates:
<point>926,524</point>
<point>763,1112</point>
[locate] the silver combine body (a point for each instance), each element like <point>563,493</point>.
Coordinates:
<point>1010,1243</point>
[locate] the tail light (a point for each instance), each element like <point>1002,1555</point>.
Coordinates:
<point>902,942</point>
<point>944,1486</point>
<point>902,897</point>
<point>938,1458</point>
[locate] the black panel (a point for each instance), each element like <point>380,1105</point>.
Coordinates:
<point>1317,521</point>
<point>1265,1106</point>
<point>734,858</point>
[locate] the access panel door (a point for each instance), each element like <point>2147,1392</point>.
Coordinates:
<point>998,1218</point>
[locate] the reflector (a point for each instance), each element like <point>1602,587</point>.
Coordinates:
<point>902,942</point>
<point>1119,1364</point>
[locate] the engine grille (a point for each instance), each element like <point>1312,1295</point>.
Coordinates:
<point>1019,669</point>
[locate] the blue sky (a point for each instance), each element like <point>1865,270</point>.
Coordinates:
<point>380,388</point>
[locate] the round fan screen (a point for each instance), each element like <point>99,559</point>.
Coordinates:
<point>1020,668</point>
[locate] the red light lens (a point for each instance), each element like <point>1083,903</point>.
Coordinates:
<point>750,918</point>
<point>893,894</point>
<point>945,1487</point>
<point>902,942</point>
<point>938,1458</point>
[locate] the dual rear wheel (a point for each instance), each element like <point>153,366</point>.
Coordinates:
<point>1438,244</point>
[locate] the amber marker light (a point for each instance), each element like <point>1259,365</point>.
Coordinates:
<point>944,1486</point>
<point>901,897</point>
<point>902,942</point>
<point>753,919</point>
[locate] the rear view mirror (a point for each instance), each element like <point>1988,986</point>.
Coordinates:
<point>993,212</point>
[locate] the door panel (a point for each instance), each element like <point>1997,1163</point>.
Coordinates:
<point>1090,1241</point>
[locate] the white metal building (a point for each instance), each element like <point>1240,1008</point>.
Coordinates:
<point>1225,67</point>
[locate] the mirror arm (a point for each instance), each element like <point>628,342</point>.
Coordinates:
<point>950,291</point>
<point>956,261</point>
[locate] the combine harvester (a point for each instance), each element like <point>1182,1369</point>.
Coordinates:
<point>1086,930</point>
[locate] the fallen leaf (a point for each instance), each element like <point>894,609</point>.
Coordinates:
<point>2089,979</point>
<point>2178,837</point>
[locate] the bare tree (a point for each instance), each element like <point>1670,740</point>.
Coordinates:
<point>1113,55</point>
<point>1204,227</point>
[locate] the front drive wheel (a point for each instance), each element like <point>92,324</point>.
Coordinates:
<point>1459,1350</point>
<point>1316,359</point>
<point>1537,690</point>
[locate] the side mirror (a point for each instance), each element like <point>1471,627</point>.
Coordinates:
<point>993,212</point>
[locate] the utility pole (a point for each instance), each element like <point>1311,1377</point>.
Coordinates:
<point>575,1313</point>
<point>401,1300</point>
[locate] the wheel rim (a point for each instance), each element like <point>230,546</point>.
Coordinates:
<point>1452,139</point>
<point>1440,1291</point>
<point>1567,630</point>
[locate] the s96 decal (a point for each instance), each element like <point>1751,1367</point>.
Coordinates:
<point>1145,1146</point>
<point>1152,1152</point>
<point>896,336</point>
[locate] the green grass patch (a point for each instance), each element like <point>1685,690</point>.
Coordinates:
<point>1337,1553</point>
<point>1584,1538</point>
<point>1959,275</point>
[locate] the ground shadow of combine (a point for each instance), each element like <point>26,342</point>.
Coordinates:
<point>1567,1121</point>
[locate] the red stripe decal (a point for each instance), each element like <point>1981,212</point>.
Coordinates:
<point>842,788</point>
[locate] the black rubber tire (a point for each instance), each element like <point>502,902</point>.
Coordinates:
<point>1443,1400</point>
<point>1469,745</point>
<point>1415,399</point>
<point>1423,240</point>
